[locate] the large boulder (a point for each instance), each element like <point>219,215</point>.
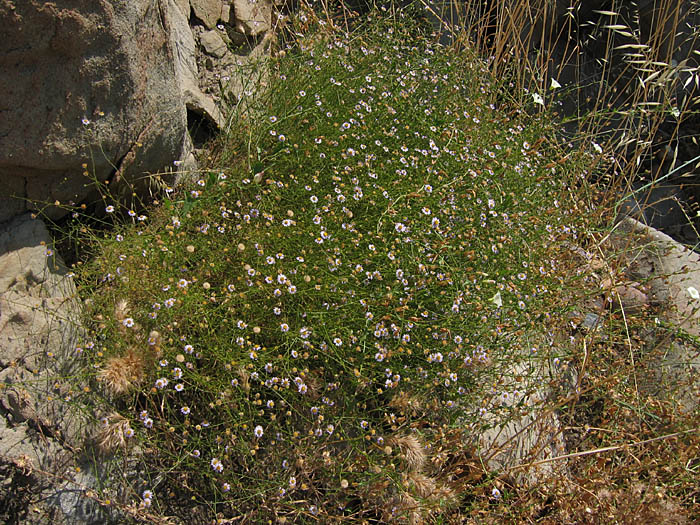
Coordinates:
<point>87,86</point>
<point>518,434</point>
<point>672,272</point>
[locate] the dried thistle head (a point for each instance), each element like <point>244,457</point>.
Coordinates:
<point>114,433</point>
<point>412,450</point>
<point>122,373</point>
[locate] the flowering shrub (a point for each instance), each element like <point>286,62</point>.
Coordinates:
<point>316,316</point>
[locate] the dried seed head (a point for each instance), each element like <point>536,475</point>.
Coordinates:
<point>403,509</point>
<point>122,373</point>
<point>444,494</point>
<point>314,385</point>
<point>422,485</point>
<point>154,342</point>
<point>113,434</point>
<point>403,401</point>
<point>412,450</point>
<point>245,379</point>
<point>121,310</point>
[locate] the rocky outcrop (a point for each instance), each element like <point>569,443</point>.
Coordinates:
<point>252,17</point>
<point>249,17</point>
<point>108,91</point>
<point>520,435</point>
<point>86,87</point>
<point>97,91</point>
<point>186,69</point>
<point>208,11</point>
<point>42,433</point>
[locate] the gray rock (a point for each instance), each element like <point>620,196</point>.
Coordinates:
<point>629,298</point>
<point>213,44</point>
<point>591,321</point>
<point>187,167</point>
<point>23,261</point>
<point>187,74</point>
<point>184,7</point>
<point>208,11</point>
<point>515,435</point>
<point>673,280</point>
<point>109,64</point>
<point>38,305</point>
<point>676,273</point>
<point>70,497</point>
<point>252,16</point>
<point>676,376</point>
<point>226,13</point>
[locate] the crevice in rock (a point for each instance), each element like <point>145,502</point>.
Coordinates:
<point>194,20</point>
<point>201,128</point>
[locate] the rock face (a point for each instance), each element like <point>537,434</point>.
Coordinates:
<point>213,44</point>
<point>186,70</point>
<point>520,436</point>
<point>208,11</point>
<point>253,16</point>
<point>673,275</point>
<point>518,439</point>
<point>40,433</point>
<point>103,90</point>
<point>84,83</point>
